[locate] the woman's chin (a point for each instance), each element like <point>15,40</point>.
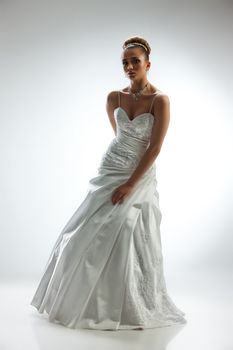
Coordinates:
<point>132,77</point>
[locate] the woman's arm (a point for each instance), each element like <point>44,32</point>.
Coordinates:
<point>111,97</point>
<point>162,115</point>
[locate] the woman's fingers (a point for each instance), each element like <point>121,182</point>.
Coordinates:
<point>120,192</point>
<point>117,197</point>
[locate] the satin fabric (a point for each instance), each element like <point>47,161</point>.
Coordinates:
<point>105,270</point>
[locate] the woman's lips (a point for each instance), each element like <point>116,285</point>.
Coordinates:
<point>131,73</point>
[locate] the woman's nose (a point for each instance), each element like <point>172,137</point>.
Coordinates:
<point>130,66</point>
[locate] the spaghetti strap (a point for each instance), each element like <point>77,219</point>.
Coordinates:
<point>119,99</point>
<point>152,103</point>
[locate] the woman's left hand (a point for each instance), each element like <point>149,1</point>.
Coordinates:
<point>121,192</point>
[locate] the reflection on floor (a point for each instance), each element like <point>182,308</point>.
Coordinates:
<point>209,326</point>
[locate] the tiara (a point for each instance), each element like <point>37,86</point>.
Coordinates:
<point>136,43</point>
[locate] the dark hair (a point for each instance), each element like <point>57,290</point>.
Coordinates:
<point>137,39</point>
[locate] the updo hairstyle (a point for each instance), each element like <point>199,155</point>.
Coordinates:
<point>137,41</point>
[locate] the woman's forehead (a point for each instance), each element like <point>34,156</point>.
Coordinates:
<point>129,53</point>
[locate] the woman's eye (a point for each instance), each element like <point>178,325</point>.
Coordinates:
<point>133,61</point>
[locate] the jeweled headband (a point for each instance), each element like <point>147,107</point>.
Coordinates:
<point>135,43</point>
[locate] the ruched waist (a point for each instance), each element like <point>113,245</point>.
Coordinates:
<point>123,153</point>
<point>131,144</point>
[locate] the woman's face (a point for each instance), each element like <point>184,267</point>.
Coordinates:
<point>134,63</point>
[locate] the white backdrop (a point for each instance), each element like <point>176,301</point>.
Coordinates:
<point>59,59</point>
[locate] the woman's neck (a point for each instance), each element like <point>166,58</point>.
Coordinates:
<point>137,85</point>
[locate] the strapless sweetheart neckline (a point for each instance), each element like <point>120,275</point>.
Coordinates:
<point>131,120</point>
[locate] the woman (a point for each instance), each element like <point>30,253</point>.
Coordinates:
<point>106,268</point>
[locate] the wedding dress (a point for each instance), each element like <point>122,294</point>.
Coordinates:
<point>105,270</point>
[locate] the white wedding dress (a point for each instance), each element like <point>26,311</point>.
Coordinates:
<point>105,270</point>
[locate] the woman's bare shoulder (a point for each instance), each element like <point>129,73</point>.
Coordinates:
<point>112,100</point>
<point>162,96</point>
<point>112,94</point>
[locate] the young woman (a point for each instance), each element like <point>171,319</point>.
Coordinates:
<point>105,270</point>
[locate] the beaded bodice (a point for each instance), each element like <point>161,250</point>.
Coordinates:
<point>131,141</point>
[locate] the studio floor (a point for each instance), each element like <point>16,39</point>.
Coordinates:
<point>209,326</point>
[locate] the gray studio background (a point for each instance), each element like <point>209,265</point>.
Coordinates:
<point>59,59</point>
